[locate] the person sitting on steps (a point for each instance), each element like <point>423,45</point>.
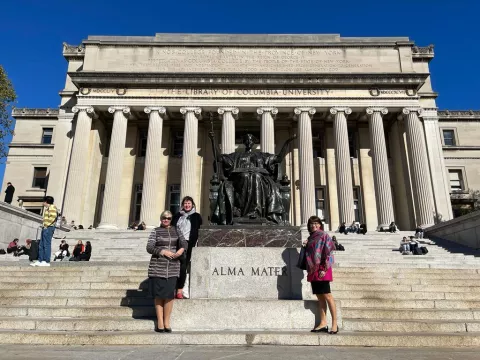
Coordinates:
<point>363,229</point>
<point>62,251</point>
<point>393,228</point>
<point>419,232</point>
<point>405,246</point>
<point>85,256</point>
<point>77,250</point>
<point>342,229</point>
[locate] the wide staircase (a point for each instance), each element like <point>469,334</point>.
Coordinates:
<point>384,298</point>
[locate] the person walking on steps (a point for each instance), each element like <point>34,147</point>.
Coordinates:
<point>318,253</point>
<point>49,219</point>
<point>166,245</point>
<point>187,222</point>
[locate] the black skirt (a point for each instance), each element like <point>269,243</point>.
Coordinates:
<point>321,287</point>
<point>163,288</point>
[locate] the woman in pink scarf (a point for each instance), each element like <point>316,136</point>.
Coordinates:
<point>318,251</point>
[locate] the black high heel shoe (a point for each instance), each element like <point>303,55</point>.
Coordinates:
<point>334,332</point>
<point>323,329</point>
<point>168,330</point>
<point>157,329</point>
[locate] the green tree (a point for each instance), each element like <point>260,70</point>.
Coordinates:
<point>7,98</point>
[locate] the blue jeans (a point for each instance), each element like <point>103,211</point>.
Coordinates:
<point>45,246</point>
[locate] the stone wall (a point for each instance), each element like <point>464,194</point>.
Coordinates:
<point>19,223</point>
<point>464,230</point>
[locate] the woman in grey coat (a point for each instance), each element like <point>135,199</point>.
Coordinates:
<point>166,246</point>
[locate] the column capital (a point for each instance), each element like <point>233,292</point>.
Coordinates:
<point>409,110</point>
<point>197,111</point>
<point>309,110</point>
<point>336,109</point>
<point>266,109</point>
<point>124,109</point>
<point>231,109</point>
<point>160,109</point>
<point>373,109</point>
<point>89,110</point>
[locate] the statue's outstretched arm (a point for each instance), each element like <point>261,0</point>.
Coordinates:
<point>283,152</point>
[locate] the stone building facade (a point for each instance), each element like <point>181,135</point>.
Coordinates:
<point>130,137</point>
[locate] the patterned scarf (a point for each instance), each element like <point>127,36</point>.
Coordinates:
<point>319,252</point>
<point>183,225</point>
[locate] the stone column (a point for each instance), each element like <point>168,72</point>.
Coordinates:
<point>305,152</point>
<point>267,133</point>
<point>188,185</point>
<point>78,164</point>
<point>342,162</point>
<point>115,167</point>
<point>229,115</point>
<point>417,154</point>
<point>152,172</point>
<point>383,193</point>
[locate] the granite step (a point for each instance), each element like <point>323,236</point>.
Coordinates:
<point>248,338</point>
<point>410,326</point>
<point>411,314</point>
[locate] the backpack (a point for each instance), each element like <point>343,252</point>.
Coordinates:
<point>340,247</point>
<point>424,250</point>
<point>2,252</point>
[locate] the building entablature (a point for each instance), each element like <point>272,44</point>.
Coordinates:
<point>18,113</point>
<point>459,115</point>
<point>372,81</point>
<point>73,51</point>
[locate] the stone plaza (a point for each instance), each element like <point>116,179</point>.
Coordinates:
<point>130,137</point>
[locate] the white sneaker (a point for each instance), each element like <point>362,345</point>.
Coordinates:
<point>43,263</point>
<point>35,263</point>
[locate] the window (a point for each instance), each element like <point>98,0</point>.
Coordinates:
<point>174,198</point>
<point>352,144</point>
<point>356,204</point>
<point>317,142</point>
<point>387,144</point>
<point>449,137</point>
<point>142,143</point>
<point>40,177</point>
<point>320,202</point>
<point>137,206</point>
<point>35,210</point>
<point>177,150</point>
<point>47,135</point>
<point>456,180</point>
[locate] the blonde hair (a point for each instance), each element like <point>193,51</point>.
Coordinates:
<point>165,212</point>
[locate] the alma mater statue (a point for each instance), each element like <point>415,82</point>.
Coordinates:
<point>247,189</point>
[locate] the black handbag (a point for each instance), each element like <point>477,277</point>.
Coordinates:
<point>302,259</point>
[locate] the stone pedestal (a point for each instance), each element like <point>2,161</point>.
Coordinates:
<point>249,236</point>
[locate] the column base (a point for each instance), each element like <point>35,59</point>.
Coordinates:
<point>304,232</point>
<point>107,227</point>
<point>383,227</point>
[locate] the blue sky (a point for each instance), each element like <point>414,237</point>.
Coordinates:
<point>32,33</point>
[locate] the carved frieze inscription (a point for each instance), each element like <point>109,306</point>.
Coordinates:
<point>177,59</point>
<point>247,93</point>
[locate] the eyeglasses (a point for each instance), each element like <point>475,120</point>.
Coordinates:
<point>166,218</point>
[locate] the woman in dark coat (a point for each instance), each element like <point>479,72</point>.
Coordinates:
<point>166,246</point>
<point>187,222</point>
<point>318,253</point>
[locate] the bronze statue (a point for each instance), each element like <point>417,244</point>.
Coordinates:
<point>246,186</point>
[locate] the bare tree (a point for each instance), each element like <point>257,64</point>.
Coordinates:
<point>7,99</point>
